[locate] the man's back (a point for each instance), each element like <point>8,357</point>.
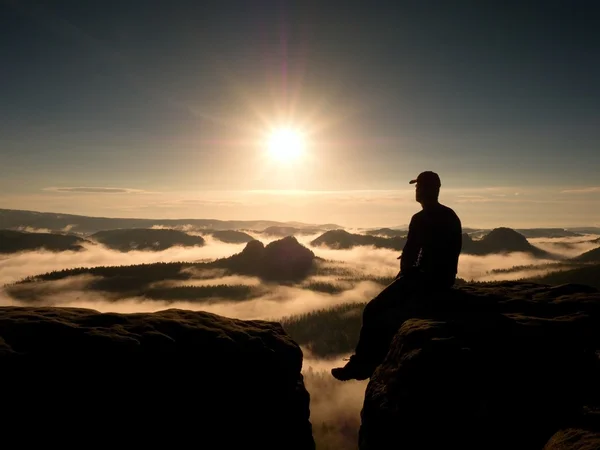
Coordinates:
<point>434,244</point>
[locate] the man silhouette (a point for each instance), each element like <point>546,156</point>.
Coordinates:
<point>428,263</point>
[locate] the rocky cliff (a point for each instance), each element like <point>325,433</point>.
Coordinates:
<point>497,366</point>
<point>76,377</point>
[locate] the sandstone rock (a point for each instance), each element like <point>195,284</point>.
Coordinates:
<point>574,439</point>
<point>76,377</point>
<point>503,365</point>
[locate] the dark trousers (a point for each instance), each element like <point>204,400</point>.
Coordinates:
<point>378,329</point>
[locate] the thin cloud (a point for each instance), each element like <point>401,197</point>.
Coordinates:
<point>567,247</point>
<point>334,406</point>
<point>279,302</point>
<point>586,190</point>
<point>34,230</point>
<point>20,265</point>
<point>96,190</point>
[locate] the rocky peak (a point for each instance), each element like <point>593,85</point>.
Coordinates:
<point>494,366</point>
<point>282,260</point>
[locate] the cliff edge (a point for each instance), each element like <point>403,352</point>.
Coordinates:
<point>173,378</point>
<point>496,366</point>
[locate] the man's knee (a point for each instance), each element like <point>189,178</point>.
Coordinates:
<point>388,298</point>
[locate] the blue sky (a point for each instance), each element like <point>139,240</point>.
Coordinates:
<point>168,105</point>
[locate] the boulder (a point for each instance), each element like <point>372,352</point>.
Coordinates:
<point>574,439</point>
<point>174,378</point>
<point>494,366</point>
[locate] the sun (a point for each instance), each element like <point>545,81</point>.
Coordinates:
<point>286,145</point>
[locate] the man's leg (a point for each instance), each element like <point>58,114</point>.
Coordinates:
<point>373,341</point>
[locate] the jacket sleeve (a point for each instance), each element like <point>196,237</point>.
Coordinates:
<point>459,236</point>
<point>411,249</point>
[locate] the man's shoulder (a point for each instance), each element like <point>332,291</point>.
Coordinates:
<point>449,214</point>
<point>447,210</point>
<point>416,217</point>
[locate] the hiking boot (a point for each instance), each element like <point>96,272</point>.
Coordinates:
<point>353,370</point>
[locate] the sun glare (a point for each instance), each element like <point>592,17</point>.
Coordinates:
<point>286,145</point>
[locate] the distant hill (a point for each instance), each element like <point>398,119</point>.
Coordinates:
<point>547,232</point>
<point>129,239</point>
<point>18,241</point>
<point>282,260</point>
<point>499,240</point>
<point>341,239</point>
<point>502,240</point>
<point>386,232</point>
<point>590,256</point>
<point>231,236</point>
<point>282,231</point>
<point>588,275</point>
<point>12,218</point>
<point>585,230</point>
<point>534,232</point>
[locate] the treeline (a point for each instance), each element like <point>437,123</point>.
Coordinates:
<point>325,287</point>
<point>327,332</point>
<point>340,284</point>
<point>152,272</point>
<point>588,275</point>
<point>17,241</point>
<point>218,292</point>
<point>553,266</point>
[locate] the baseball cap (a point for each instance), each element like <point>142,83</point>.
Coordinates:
<point>427,178</point>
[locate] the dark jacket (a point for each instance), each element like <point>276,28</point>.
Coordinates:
<point>433,245</point>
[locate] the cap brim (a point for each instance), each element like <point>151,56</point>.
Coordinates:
<point>412,181</point>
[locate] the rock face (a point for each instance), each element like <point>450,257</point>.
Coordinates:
<point>169,379</point>
<point>282,260</point>
<point>497,366</point>
<point>574,439</point>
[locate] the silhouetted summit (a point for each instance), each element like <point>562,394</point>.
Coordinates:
<point>505,240</point>
<point>17,241</point>
<point>494,366</point>
<point>502,240</point>
<point>282,260</point>
<point>145,239</point>
<point>163,379</point>
<point>589,256</point>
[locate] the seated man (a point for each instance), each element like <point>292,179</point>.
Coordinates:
<point>429,262</point>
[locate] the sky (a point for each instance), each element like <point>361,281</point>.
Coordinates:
<point>164,109</point>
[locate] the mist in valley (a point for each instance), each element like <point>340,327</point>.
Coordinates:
<point>350,275</point>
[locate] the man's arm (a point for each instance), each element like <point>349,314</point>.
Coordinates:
<point>411,249</point>
<point>459,237</point>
